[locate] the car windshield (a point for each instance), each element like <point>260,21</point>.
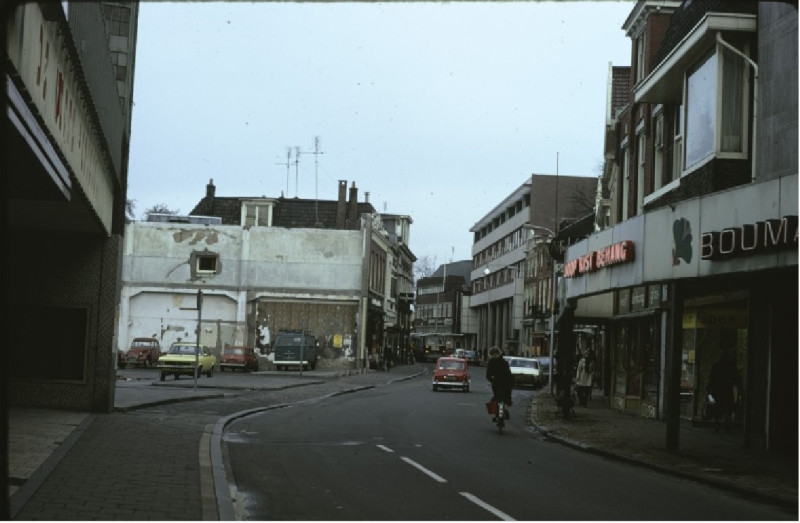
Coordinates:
<point>451,365</point>
<point>142,343</point>
<point>183,349</point>
<point>234,351</point>
<point>523,363</point>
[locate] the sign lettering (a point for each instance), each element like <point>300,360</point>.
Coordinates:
<point>751,238</point>
<point>614,254</point>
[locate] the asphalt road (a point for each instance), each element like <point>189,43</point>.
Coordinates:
<point>403,452</point>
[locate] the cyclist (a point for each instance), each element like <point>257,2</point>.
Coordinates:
<point>498,373</point>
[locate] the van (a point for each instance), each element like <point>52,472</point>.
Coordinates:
<point>295,348</point>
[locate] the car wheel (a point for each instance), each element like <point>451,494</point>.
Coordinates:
<point>177,375</point>
<point>466,388</point>
<point>435,388</point>
<point>210,372</point>
<point>163,376</point>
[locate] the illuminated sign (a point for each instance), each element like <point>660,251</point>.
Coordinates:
<point>613,254</point>
<point>751,238</point>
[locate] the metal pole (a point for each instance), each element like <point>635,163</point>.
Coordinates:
<point>197,342</point>
<point>552,328</point>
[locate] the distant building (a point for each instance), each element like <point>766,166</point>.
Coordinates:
<point>265,265</point>
<point>498,277</point>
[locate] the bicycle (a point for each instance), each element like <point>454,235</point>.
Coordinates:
<point>500,413</point>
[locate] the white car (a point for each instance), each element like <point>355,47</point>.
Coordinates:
<point>526,371</point>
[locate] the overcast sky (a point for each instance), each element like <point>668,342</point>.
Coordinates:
<point>438,110</point>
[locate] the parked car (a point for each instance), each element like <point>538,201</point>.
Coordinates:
<point>237,357</point>
<point>184,358</point>
<point>121,359</point>
<point>526,371</point>
<point>544,364</point>
<point>143,352</point>
<point>473,357</point>
<point>451,373</point>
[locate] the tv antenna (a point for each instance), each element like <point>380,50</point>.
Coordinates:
<point>287,163</point>
<point>316,154</point>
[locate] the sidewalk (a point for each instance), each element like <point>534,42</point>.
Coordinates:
<point>715,458</point>
<point>39,440</point>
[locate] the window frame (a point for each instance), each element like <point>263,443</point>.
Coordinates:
<point>722,92</point>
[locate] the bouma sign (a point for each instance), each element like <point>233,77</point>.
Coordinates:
<point>751,238</point>
<point>613,254</point>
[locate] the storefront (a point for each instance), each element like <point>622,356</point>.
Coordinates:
<point>636,350</point>
<point>691,283</point>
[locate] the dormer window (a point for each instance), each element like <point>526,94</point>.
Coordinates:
<point>257,213</point>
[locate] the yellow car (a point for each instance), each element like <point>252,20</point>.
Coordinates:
<point>183,358</point>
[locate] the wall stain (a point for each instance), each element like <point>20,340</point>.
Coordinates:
<point>194,236</point>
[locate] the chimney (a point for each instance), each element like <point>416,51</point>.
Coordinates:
<point>341,206</point>
<point>210,189</point>
<point>352,216</point>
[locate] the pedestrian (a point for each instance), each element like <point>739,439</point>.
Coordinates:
<point>722,390</point>
<point>387,357</point>
<point>584,378</point>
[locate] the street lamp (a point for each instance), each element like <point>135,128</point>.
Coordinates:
<point>486,272</point>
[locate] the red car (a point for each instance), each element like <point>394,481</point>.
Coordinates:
<point>451,373</point>
<point>144,352</point>
<point>235,357</point>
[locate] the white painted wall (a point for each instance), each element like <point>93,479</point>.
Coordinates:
<point>159,294</point>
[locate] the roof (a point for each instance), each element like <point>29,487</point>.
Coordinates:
<point>288,212</point>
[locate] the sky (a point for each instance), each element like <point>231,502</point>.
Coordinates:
<point>439,110</point>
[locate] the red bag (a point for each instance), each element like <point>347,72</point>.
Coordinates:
<point>491,407</point>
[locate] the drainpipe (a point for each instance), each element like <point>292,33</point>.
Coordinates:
<point>755,97</point>
<point>366,228</point>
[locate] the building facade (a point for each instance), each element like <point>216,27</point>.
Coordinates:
<point>264,265</point>
<point>67,106</point>
<point>700,259</point>
<point>501,285</point>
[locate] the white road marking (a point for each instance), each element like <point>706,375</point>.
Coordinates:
<point>413,463</point>
<point>385,448</point>
<point>499,513</point>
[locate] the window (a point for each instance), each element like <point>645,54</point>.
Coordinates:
<point>701,110</point>
<point>640,172</point>
<point>626,182</point>
<point>207,263</point>
<point>658,152</point>
<point>677,142</point>
<point>640,57</point>
<point>256,214</point>
<point>716,106</point>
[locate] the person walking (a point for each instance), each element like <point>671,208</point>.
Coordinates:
<point>722,387</point>
<point>584,377</point>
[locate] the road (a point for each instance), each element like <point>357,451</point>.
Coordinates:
<point>403,452</point>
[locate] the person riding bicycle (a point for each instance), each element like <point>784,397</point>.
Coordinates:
<point>498,373</point>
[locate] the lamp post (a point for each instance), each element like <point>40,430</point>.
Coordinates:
<point>486,272</point>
